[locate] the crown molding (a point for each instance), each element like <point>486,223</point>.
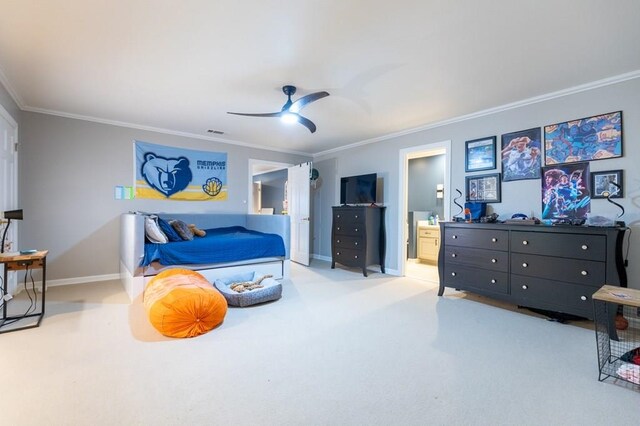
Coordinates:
<point>12,92</point>
<point>514,105</point>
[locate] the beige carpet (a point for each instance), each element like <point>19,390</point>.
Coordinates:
<point>337,349</point>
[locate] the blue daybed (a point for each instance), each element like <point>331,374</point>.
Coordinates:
<point>235,243</point>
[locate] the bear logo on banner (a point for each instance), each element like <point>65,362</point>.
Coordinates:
<point>166,175</point>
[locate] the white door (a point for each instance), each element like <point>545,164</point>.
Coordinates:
<point>9,182</point>
<point>299,199</point>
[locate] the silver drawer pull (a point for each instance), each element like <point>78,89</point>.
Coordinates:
<point>337,215</point>
<point>525,242</point>
<point>355,257</point>
<point>524,265</point>
<point>455,237</point>
<point>524,287</point>
<point>494,240</point>
<point>583,297</point>
<point>453,274</point>
<point>585,273</point>
<point>493,281</point>
<point>356,216</point>
<point>453,255</point>
<point>337,241</point>
<point>356,229</point>
<point>494,260</point>
<point>338,228</point>
<point>338,254</point>
<point>356,243</point>
<point>585,247</point>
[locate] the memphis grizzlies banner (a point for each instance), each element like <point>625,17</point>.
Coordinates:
<point>168,173</point>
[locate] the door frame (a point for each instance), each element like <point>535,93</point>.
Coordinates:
<point>11,285</point>
<point>406,154</point>
<point>270,166</point>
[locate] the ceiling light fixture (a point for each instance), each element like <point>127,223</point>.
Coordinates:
<point>289,117</point>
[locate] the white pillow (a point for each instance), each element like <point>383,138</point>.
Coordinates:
<point>153,231</point>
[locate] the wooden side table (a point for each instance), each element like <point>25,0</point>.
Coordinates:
<point>23,262</point>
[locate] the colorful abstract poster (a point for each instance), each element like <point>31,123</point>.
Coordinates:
<point>169,173</point>
<point>565,192</point>
<point>592,138</point>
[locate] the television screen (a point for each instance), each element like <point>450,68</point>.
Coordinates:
<point>358,189</point>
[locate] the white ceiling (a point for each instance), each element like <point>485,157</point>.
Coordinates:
<point>388,65</point>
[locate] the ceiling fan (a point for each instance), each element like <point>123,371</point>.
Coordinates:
<point>290,110</point>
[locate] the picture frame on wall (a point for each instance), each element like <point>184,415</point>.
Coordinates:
<point>565,191</point>
<point>586,139</point>
<point>607,184</point>
<point>521,155</point>
<point>480,154</point>
<point>483,188</point>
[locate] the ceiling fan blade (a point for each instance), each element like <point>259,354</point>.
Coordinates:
<point>305,100</point>
<point>267,114</point>
<point>307,123</point>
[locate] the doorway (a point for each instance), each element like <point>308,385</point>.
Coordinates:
<point>8,188</point>
<point>267,187</point>
<point>425,188</point>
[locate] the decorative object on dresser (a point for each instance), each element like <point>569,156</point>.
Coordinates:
<point>552,268</point>
<point>358,237</point>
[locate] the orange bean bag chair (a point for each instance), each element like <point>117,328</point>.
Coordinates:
<point>182,303</point>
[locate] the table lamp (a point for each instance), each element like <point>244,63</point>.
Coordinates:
<point>9,214</point>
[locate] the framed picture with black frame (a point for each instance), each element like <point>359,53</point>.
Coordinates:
<point>483,188</point>
<point>607,184</point>
<point>480,154</point>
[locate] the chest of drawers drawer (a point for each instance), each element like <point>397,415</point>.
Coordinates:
<point>486,259</point>
<point>586,272</point>
<point>346,241</point>
<point>576,246</point>
<point>553,295</point>
<point>353,229</point>
<point>467,278</point>
<point>477,238</point>
<point>349,257</point>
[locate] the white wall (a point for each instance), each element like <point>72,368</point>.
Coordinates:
<point>519,196</point>
<point>68,170</point>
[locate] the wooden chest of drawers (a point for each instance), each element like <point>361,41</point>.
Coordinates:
<point>358,237</point>
<point>551,268</point>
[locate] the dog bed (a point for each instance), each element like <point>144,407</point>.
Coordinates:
<point>270,289</point>
<point>182,303</point>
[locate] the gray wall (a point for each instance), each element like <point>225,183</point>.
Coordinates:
<point>68,170</point>
<point>519,196</point>
<point>424,174</point>
<point>272,189</point>
<point>12,108</point>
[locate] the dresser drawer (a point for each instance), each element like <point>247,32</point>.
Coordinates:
<point>352,229</point>
<point>345,241</point>
<point>477,238</point>
<point>587,272</point>
<point>349,257</point>
<point>350,216</point>
<point>465,278</point>
<point>487,259</point>
<point>553,295</point>
<point>577,246</point>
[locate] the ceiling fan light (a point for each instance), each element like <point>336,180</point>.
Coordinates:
<point>289,118</point>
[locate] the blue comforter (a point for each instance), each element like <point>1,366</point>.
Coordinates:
<point>220,245</point>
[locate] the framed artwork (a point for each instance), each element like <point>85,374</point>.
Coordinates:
<point>592,138</point>
<point>480,154</point>
<point>483,188</point>
<point>521,155</point>
<point>607,184</point>
<point>565,192</point>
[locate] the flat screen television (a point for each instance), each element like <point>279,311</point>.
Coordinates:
<point>358,189</point>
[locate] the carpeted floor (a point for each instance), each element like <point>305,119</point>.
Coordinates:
<point>337,349</point>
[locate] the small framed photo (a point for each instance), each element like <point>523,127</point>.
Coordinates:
<point>483,188</point>
<point>480,154</point>
<point>607,184</point>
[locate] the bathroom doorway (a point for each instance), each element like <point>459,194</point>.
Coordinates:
<point>424,200</point>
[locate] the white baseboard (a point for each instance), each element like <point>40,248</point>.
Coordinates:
<point>82,280</point>
<point>320,257</point>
